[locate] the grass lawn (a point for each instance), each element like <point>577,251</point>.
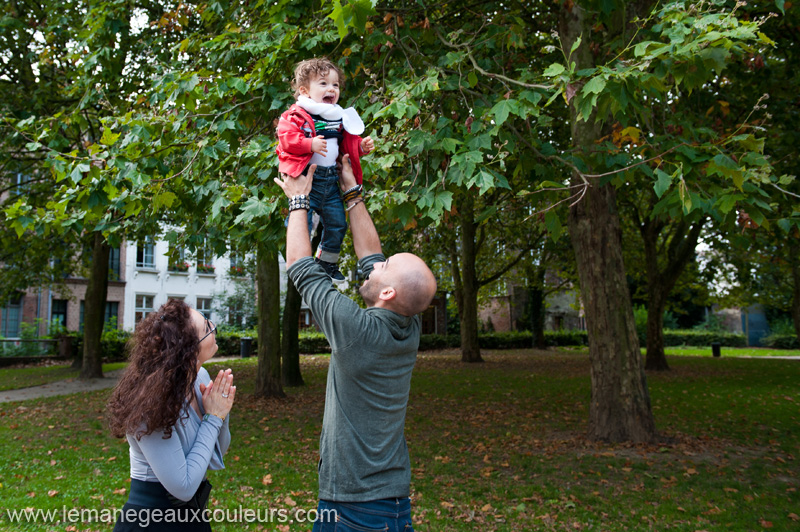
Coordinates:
<point>494,446</point>
<point>693,351</point>
<point>15,378</point>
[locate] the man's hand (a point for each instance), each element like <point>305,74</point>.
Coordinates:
<point>347,179</point>
<point>293,186</point>
<point>367,145</point>
<point>319,145</point>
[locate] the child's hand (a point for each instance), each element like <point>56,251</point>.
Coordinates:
<point>367,145</point>
<point>319,145</point>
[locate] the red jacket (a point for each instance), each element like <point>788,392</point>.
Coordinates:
<point>294,148</point>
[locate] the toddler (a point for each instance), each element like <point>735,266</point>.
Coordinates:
<point>315,130</point>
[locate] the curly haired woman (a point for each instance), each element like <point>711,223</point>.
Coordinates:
<point>175,420</point>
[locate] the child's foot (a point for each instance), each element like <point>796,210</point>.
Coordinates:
<point>332,270</point>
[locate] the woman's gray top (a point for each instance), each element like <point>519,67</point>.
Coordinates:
<point>180,462</point>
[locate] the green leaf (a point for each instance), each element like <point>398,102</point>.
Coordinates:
<point>502,109</point>
<point>575,45</point>
<point>238,84</point>
<point>165,199</point>
<point>553,224</point>
<point>553,70</point>
<point>663,183</point>
<point>780,5</point>
<point>472,79</point>
<point>785,225</point>
<point>595,85</point>
<point>109,137</point>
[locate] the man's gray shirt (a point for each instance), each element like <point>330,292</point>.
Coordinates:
<point>363,452</point>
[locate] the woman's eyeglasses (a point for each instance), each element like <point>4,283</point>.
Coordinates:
<point>210,329</point>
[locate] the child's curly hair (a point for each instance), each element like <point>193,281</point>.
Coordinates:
<point>307,70</point>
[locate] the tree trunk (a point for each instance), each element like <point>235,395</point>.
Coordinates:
<point>290,342</point>
<point>268,377</point>
<point>468,300</point>
<point>620,403</point>
<point>682,241</point>
<point>656,358</point>
<point>796,297</point>
<point>94,309</point>
<point>537,307</point>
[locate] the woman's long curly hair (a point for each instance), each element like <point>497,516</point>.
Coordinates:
<point>161,375</point>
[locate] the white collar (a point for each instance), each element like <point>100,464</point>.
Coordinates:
<point>330,111</point>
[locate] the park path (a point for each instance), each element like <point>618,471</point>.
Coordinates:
<point>70,386</point>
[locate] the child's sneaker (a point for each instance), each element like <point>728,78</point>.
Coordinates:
<point>332,270</point>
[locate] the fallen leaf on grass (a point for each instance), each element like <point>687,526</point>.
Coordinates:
<point>267,479</point>
<point>120,491</point>
<point>765,524</point>
<point>52,493</point>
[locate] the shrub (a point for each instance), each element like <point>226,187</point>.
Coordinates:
<point>567,338</point>
<point>781,341</point>
<point>703,338</point>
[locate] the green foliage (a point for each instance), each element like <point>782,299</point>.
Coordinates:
<point>781,341</point>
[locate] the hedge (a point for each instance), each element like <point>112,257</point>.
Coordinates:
<point>114,345</point>
<point>676,337</point>
<point>781,341</point>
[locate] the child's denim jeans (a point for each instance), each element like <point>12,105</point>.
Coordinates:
<point>326,199</point>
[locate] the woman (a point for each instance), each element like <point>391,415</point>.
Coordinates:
<point>175,420</point>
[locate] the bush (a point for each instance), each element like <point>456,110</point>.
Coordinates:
<point>696,337</point>
<point>566,338</point>
<point>781,341</point>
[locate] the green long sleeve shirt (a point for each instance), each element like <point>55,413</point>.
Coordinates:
<point>363,452</point>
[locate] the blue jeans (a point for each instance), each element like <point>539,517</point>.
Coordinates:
<point>326,199</point>
<point>388,515</point>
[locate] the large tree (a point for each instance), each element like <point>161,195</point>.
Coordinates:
<point>68,68</point>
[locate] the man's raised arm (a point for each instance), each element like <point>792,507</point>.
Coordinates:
<point>298,244</point>
<point>365,238</point>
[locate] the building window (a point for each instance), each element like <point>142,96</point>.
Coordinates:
<point>205,259</point>
<point>177,260</point>
<point>237,263</point>
<point>145,254</point>
<point>144,306</point>
<point>113,265</point>
<point>58,312</point>
<point>9,326</point>
<point>204,306</point>
<point>112,311</point>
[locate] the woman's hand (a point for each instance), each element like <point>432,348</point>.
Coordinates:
<point>219,394</point>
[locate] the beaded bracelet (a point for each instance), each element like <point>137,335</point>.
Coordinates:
<point>300,201</point>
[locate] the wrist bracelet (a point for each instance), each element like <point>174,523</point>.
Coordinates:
<point>356,202</point>
<point>352,193</point>
<point>300,201</point>
<point>208,415</point>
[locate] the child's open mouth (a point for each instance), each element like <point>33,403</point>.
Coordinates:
<point>328,99</point>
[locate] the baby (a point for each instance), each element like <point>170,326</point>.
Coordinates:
<point>315,130</point>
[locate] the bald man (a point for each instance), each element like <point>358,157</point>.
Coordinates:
<point>364,469</point>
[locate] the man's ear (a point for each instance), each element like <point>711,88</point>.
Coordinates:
<point>387,294</point>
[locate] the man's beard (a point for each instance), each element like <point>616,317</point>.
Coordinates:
<point>369,293</point>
